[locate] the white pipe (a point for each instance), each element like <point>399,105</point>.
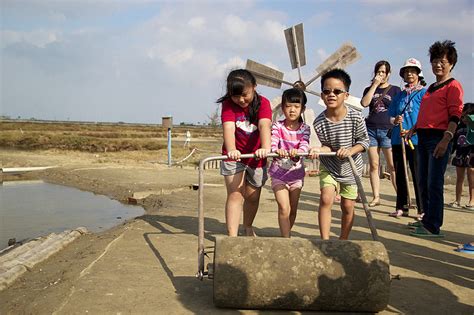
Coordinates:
<point>14,170</point>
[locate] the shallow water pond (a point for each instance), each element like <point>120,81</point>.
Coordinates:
<point>29,209</point>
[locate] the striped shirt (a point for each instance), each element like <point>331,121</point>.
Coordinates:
<point>342,134</point>
<point>287,169</point>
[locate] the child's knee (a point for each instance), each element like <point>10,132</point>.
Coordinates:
<point>284,211</point>
<point>235,196</point>
<point>327,196</point>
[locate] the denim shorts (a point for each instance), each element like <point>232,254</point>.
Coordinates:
<point>378,138</point>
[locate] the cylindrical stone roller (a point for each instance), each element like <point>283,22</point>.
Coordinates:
<point>300,274</point>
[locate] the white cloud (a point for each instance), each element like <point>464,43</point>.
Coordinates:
<point>197,22</point>
<point>39,38</point>
<point>177,57</point>
<point>236,27</point>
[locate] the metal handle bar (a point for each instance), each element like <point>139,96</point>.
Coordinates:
<point>201,253</point>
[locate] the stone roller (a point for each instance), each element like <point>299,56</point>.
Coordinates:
<point>300,274</point>
<point>296,274</point>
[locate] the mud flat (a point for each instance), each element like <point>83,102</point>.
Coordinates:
<point>149,263</point>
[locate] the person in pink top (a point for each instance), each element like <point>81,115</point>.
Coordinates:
<point>246,122</point>
<point>289,137</point>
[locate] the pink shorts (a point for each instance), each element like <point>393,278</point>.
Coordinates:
<point>297,184</point>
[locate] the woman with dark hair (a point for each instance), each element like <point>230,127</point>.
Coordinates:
<point>439,115</point>
<point>403,113</point>
<point>378,97</point>
<point>246,122</point>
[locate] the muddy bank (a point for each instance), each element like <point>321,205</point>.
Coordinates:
<point>149,263</point>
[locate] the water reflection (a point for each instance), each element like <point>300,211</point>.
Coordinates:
<point>29,209</point>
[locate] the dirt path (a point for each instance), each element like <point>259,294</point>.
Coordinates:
<point>147,265</point>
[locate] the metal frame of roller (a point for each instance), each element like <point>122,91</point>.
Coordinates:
<point>295,273</point>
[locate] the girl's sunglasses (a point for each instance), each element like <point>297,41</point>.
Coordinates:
<point>335,91</point>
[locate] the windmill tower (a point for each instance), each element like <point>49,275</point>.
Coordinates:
<point>341,58</point>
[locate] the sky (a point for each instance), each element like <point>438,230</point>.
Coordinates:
<point>139,60</point>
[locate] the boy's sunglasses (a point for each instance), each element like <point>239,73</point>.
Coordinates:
<point>335,91</point>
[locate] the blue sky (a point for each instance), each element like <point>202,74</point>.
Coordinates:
<point>139,60</point>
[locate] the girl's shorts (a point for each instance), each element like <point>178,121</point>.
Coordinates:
<point>379,138</point>
<point>348,191</point>
<point>254,176</point>
<point>463,160</point>
<point>297,184</point>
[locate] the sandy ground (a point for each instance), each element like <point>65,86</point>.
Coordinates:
<point>147,265</point>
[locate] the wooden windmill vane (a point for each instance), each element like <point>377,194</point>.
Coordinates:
<point>341,58</point>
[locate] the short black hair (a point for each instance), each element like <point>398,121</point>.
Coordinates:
<point>439,49</point>
<point>337,74</point>
<point>294,95</point>
<point>468,107</point>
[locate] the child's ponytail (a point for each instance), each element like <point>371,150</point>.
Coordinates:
<point>253,109</point>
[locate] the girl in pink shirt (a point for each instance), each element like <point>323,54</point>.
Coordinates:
<point>289,137</point>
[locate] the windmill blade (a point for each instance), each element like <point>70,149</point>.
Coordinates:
<point>295,43</point>
<point>352,101</point>
<point>265,75</point>
<point>341,58</point>
<point>312,92</point>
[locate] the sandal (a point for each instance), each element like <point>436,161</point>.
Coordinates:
<point>375,202</point>
<point>469,207</point>
<point>249,231</point>
<point>419,217</point>
<point>466,246</point>
<point>454,205</point>
<point>399,213</point>
<point>414,225</point>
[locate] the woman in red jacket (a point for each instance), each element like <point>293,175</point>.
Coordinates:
<point>439,115</point>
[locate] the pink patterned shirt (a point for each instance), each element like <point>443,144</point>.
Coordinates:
<point>287,169</point>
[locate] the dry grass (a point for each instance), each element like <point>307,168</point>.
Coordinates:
<point>97,137</point>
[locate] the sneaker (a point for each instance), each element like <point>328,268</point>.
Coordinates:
<point>454,205</point>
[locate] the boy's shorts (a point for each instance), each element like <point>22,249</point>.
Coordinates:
<point>254,176</point>
<point>297,184</point>
<point>348,191</point>
<point>379,138</point>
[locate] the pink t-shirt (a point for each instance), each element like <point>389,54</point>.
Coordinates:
<point>247,135</point>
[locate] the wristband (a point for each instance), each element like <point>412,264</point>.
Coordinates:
<point>449,133</point>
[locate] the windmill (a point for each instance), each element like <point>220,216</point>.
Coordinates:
<point>341,58</point>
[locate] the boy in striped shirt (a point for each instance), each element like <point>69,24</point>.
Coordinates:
<point>342,130</point>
